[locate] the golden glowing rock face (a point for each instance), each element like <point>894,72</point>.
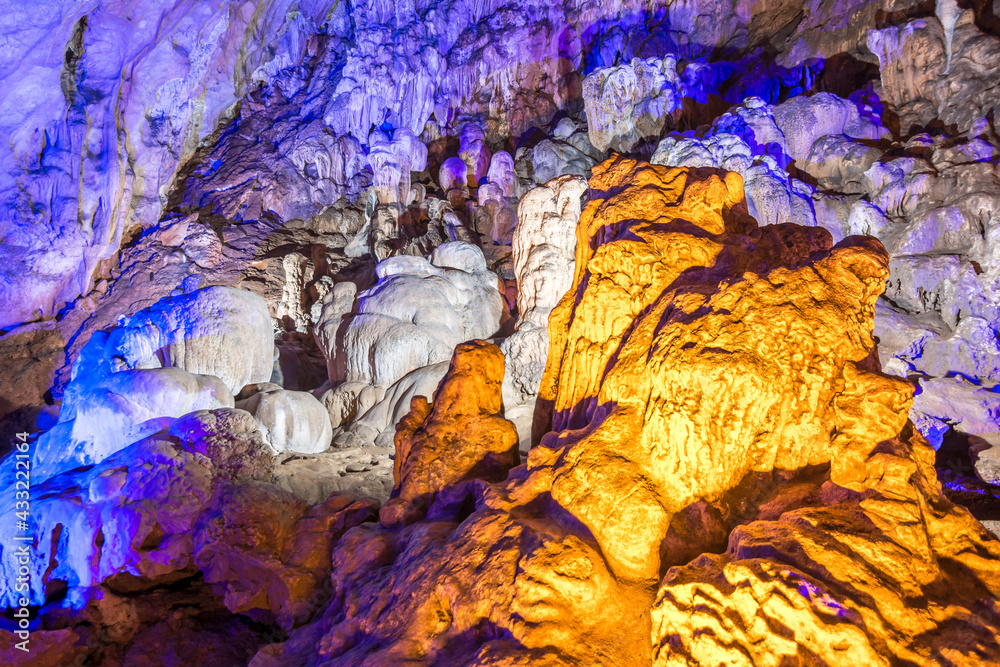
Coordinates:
<point>726,476</point>
<point>885,573</point>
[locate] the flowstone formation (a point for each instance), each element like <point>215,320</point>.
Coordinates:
<point>726,457</point>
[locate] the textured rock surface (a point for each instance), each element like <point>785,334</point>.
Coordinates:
<point>217,331</point>
<point>376,414</point>
<point>416,315</point>
<point>631,102</point>
<point>932,72</point>
<point>167,507</point>
<point>544,245</point>
<point>119,409</point>
<point>103,102</point>
<point>292,421</point>
<point>462,436</point>
<point>688,376</point>
<point>718,467</point>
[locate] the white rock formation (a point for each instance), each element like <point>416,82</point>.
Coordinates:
<point>101,102</point>
<point>947,12</point>
<point>501,173</point>
<point>377,424</point>
<point>329,324</point>
<point>628,103</point>
<point>804,120</point>
<point>544,248</point>
<point>474,152</point>
<point>772,197</point>
<point>192,496</point>
<point>966,407</point>
<point>392,161</point>
<point>551,159</point>
<point>218,331</point>
<point>415,316</point>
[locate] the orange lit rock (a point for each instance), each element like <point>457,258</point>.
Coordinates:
<point>462,436</point>
<point>726,477</point>
<point>692,357</point>
<point>265,550</point>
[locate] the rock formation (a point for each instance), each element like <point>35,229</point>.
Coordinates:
<point>547,333</point>
<point>216,330</point>
<point>544,245</point>
<point>463,436</point>
<point>292,421</point>
<point>120,409</point>
<point>732,395</point>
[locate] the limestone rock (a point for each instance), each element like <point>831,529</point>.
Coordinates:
<point>495,219</point>
<point>122,484</point>
<point>361,472</point>
<point>930,71</point>
<point>804,120</point>
<point>968,408</point>
<point>819,134</point>
<point>986,459</point>
<point>711,383</point>
<point>544,246</point>
<point>463,435</point>
<point>632,101</point>
<point>772,197</point>
<point>501,173</point>
<point>335,306</point>
<point>230,438</point>
<point>292,421</point>
<point>374,421</point>
<point>839,163</point>
<point>268,166</point>
<point>180,502</point>
<point>268,551</point>
<point>106,414</point>
<point>473,151</point>
<point>453,175</point>
<point>721,472</point>
<point>552,159</point>
<point>392,161</point>
<point>99,112</point>
<point>416,315</point>
<point>217,331</point>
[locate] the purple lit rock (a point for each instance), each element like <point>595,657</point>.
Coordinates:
<point>167,507</point>
<point>102,103</point>
<point>473,151</point>
<point>501,173</point>
<point>217,331</point>
<point>453,175</point>
<point>99,418</point>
